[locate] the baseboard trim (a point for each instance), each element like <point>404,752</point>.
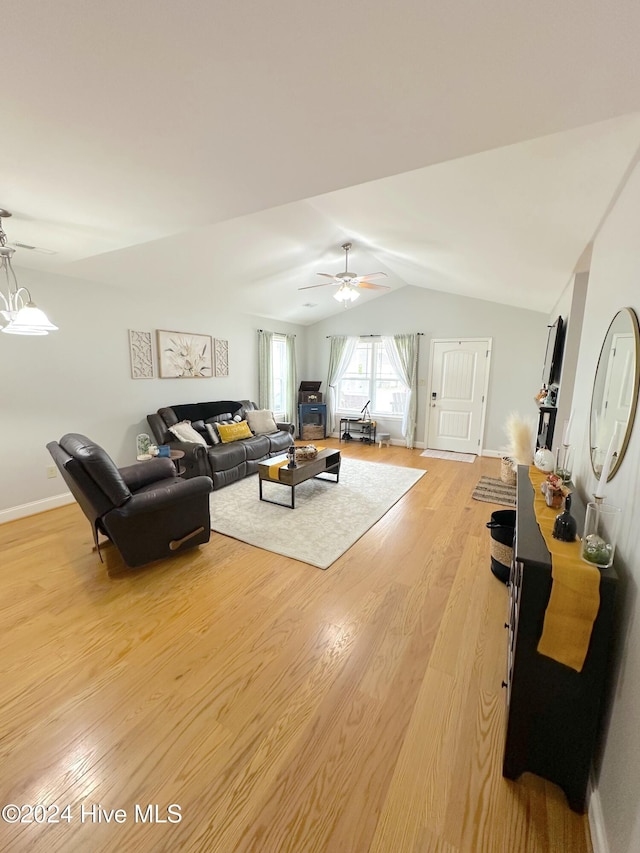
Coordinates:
<point>493,453</point>
<point>395,442</point>
<point>596,819</point>
<point>33,508</point>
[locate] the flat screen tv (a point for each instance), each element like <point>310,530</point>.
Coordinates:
<point>553,355</point>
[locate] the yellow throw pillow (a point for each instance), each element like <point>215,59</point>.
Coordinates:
<point>233,432</point>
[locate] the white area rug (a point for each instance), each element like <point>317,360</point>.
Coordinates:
<point>448,454</point>
<point>329,517</point>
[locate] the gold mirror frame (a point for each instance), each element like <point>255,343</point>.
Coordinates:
<point>614,378</point>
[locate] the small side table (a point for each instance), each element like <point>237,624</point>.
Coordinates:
<point>176,456</point>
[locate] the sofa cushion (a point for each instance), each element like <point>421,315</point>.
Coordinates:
<point>233,432</point>
<point>261,421</point>
<point>185,432</point>
<point>226,456</point>
<point>279,442</point>
<point>256,447</point>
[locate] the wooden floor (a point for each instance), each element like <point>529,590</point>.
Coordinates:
<point>281,707</point>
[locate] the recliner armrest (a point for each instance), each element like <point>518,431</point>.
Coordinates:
<point>144,473</point>
<point>165,495</point>
<point>195,458</point>
<point>286,427</point>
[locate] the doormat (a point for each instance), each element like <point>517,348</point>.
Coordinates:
<point>494,491</point>
<point>449,454</point>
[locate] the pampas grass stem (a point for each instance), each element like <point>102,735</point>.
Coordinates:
<point>520,434</point>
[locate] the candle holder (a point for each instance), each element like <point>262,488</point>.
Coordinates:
<point>600,536</point>
<point>564,462</point>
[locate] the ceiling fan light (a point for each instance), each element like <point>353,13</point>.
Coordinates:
<point>345,293</point>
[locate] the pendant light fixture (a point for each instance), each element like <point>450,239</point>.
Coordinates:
<point>21,315</point>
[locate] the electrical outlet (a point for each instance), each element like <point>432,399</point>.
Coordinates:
<point>52,472</point>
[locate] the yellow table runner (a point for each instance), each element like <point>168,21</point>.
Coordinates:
<point>575,593</point>
<point>274,470</point>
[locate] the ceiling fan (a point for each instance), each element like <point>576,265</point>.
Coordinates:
<point>349,281</point>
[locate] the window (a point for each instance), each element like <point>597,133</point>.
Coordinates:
<point>279,376</point>
<point>371,378</point>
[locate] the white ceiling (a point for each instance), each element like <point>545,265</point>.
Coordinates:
<point>472,148</point>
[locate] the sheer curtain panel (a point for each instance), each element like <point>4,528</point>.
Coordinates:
<point>402,351</point>
<point>339,357</point>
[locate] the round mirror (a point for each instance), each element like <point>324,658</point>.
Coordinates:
<point>615,392</point>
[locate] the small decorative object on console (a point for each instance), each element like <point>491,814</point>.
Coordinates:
<point>543,460</point>
<point>565,526</point>
<point>600,534</point>
<point>564,462</point>
<point>554,491</point>
<point>164,450</point>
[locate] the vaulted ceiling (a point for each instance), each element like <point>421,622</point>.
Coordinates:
<point>473,148</point>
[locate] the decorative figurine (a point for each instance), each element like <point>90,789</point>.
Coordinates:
<point>565,525</point>
<point>291,453</point>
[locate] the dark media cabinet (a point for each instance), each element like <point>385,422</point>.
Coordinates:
<point>553,712</point>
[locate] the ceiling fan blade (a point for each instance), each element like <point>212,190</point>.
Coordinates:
<point>326,275</point>
<point>372,275</point>
<point>311,286</point>
<point>370,286</point>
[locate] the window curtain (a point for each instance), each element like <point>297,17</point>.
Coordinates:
<point>291,393</point>
<point>402,351</point>
<point>265,375</point>
<point>340,355</point>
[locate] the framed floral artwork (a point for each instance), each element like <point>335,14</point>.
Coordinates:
<point>183,355</point>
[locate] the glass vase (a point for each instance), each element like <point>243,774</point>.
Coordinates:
<point>143,442</point>
<point>601,526</point>
<point>564,462</point>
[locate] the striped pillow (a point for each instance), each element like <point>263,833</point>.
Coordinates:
<point>211,425</point>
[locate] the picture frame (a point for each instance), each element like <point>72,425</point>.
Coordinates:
<point>221,353</point>
<point>140,354</point>
<point>184,355</point>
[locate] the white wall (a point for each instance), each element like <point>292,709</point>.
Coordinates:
<point>570,307</point>
<point>614,282</point>
<point>78,379</point>
<point>519,340</point>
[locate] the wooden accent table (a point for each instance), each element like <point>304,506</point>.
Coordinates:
<point>326,462</point>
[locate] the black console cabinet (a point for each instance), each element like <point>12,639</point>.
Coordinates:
<point>553,712</point>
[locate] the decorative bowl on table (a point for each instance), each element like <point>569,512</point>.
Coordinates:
<point>305,453</point>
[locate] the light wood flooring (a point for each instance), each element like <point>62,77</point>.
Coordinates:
<point>281,707</point>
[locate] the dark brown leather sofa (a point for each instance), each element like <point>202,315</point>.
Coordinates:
<point>145,509</point>
<point>224,463</point>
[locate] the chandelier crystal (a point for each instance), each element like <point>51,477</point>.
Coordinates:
<point>20,313</point>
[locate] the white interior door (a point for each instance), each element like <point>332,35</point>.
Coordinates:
<point>458,392</point>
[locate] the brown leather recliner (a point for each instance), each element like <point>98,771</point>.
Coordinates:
<point>145,509</point>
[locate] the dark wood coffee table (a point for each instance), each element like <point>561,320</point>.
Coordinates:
<point>326,462</point>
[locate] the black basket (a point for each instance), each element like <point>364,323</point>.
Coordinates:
<point>503,529</point>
